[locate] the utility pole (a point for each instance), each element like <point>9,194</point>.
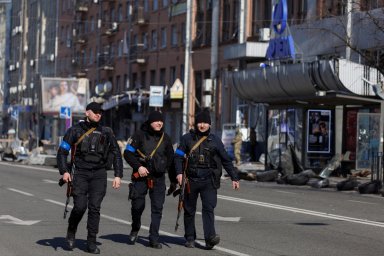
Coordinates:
<point>214,58</point>
<point>187,87</point>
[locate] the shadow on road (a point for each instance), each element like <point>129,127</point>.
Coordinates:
<point>59,242</point>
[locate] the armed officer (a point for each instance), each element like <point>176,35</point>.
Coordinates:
<point>150,154</point>
<point>90,144</point>
<point>206,155</point>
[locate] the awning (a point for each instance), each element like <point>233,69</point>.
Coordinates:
<point>291,83</point>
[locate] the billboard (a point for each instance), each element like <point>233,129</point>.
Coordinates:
<point>63,92</point>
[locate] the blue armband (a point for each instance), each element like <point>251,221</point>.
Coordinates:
<point>65,145</point>
<point>180,152</point>
<point>130,148</point>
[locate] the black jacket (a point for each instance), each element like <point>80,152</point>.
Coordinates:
<point>212,145</point>
<point>71,137</point>
<point>146,141</point>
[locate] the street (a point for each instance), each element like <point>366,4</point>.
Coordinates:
<point>263,219</point>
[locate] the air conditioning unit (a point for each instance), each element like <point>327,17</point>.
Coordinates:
<point>264,34</point>
<point>11,67</point>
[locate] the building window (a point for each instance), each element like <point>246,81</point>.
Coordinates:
<point>155,5</point>
<point>90,56</point>
<point>154,40</point>
<point>163,37</point>
<point>143,79</point>
<point>174,35</point>
<point>92,23</point>
<point>165,3</point>
<point>182,73</point>
<point>145,40</point>
<point>146,5</point>
<point>172,74</point>
<point>183,33</point>
<point>162,81</point>
<point>118,86</point>
<point>120,13</point>
<point>153,77</point>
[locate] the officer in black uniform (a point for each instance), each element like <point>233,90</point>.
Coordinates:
<point>150,154</point>
<point>203,176</point>
<point>88,171</point>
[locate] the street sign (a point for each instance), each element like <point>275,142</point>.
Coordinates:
<point>156,96</point>
<point>65,112</point>
<point>177,90</point>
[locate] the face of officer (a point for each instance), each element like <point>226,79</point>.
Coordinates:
<point>157,125</point>
<point>92,116</point>
<point>203,127</point>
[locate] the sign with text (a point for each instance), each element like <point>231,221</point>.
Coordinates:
<point>156,96</point>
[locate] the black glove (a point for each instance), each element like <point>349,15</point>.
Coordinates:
<point>171,188</point>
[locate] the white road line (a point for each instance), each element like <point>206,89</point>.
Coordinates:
<point>50,181</point>
<point>19,191</point>
<point>303,211</point>
<point>361,202</point>
<point>285,192</point>
<point>31,167</point>
<point>232,252</point>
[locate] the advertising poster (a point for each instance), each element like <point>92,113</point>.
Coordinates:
<point>319,122</point>
<point>63,92</point>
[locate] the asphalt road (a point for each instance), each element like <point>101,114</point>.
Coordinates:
<point>262,219</point>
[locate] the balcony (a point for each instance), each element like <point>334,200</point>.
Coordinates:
<point>137,54</point>
<point>140,16</point>
<point>81,6</point>
<point>80,40</point>
<point>111,29</point>
<point>106,62</point>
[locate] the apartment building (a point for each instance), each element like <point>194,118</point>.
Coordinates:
<point>132,45</point>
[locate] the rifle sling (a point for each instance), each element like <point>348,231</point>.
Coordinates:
<point>154,151</point>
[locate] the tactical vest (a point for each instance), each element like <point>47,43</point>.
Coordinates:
<point>203,157</point>
<point>94,147</point>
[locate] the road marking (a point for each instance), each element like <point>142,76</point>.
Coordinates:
<point>361,202</point>
<point>232,252</point>
<point>50,181</point>
<point>303,211</point>
<point>230,219</point>
<point>286,192</point>
<point>14,220</point>
<point>19,191</point>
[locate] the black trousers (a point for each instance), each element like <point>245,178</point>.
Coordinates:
<point>89,188</point>
<point>208,196</point>
<point>157,196</point>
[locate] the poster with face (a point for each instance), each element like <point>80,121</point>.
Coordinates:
<point>318,139</point>
<point>63,92</point>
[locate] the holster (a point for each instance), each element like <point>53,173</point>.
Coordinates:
<point>150,183</point>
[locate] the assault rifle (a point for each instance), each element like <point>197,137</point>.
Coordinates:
<point>69,194</point>
<point>181,192</point>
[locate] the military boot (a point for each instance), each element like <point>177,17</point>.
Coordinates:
<point>91,244</point>
<point>133,237</point>
<point>211,242</point>
<point>70,239</point>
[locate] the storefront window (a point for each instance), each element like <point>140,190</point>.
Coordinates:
<point>367,139</point>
